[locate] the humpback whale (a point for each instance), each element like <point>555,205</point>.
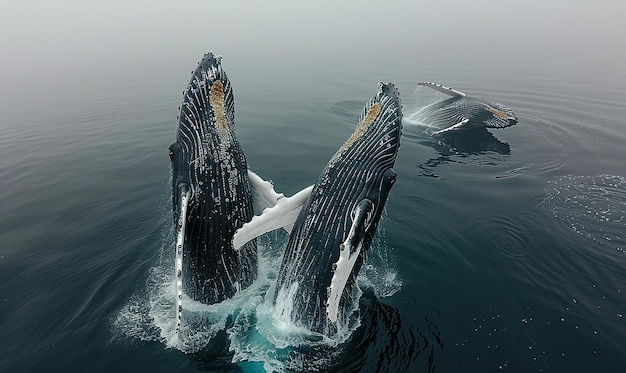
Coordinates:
<point>461,111</point>
<point>211,191</point>
<point>336,222</point>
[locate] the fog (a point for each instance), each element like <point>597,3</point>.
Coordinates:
<point>73,46</point>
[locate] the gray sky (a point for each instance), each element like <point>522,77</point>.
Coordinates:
<point>74,40</point>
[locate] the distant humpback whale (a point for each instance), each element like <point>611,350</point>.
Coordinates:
<point>337,220</point>
<point>462,112</point>
<point>213,192</point>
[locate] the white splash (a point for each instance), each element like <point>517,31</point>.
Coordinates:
<point>258,332</point>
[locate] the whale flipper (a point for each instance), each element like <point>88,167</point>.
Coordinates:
<point>452,128</point>
<point>443,89</point>
<point>350,249</point>
<point>184,194</point>
<point>263,193</point>
<point>282,215</point>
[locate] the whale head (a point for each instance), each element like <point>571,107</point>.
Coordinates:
<point>210,188</point>
<point>206,123</point>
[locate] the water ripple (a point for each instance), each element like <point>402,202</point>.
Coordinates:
<point>592,206</point>
<point>509,235</point>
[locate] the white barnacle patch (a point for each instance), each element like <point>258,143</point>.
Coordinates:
<point>180,239</point>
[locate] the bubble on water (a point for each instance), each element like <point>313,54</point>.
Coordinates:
<point>592,206</point>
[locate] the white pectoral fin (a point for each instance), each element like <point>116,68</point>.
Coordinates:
<point>453,127</point>
<point>349,251</point>
<point>178,265</point>
<point>263,193</point>
<point>443,89</point>
<point>282,215</point>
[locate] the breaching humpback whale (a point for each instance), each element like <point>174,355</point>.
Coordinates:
<point>334,229</point>
<point>462,112</point>
<point>211,191</point>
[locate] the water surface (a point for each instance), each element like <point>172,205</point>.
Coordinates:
<point>503,250</point>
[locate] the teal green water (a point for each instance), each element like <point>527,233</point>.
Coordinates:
<point>500,252</point>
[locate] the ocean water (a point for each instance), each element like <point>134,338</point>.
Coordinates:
<point>502,250</point>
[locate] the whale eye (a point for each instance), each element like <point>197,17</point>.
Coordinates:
<point>364,211</point>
